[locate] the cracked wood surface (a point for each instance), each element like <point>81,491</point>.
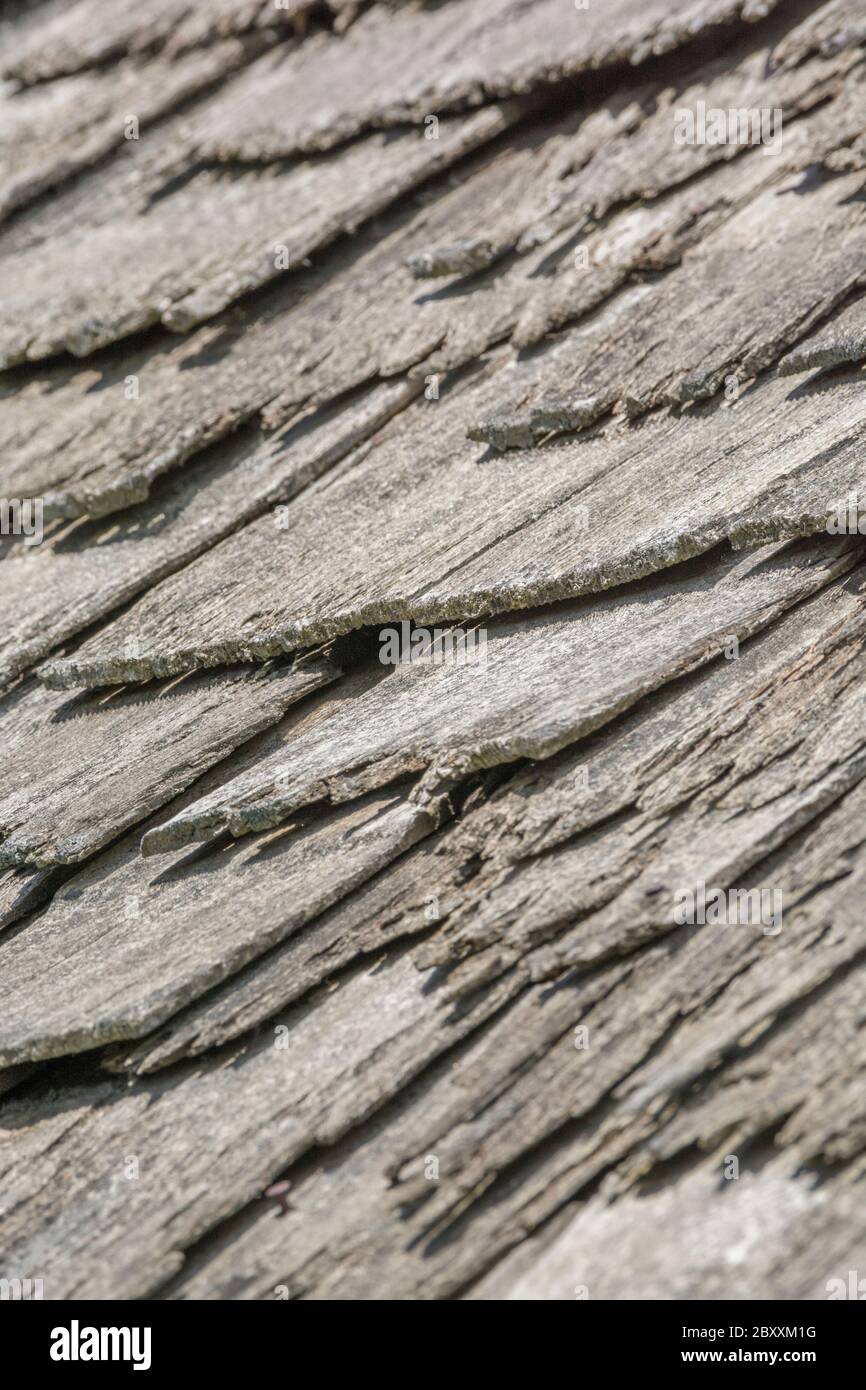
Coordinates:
<point>22,890</point>
<point>617,881</point>
<point>403,65</point>
<point>78,575</point>
<point>50,133</point>
<point>841,340</point>
<point>551,660</point>
<point>92,450</point>
<point>523,1120</point>
<point>103,989</point>
<point>397,903</point>
<point>78,438</point>
<point>544,808</point>
<point>101,763</point>
<point>682,342</point>
<point>215,239</point>
<point>777,1236</point>
<point>511,531</point>
<point>199,279</point>
<point>274,1100</point>
<point>481,1144</point>
<point>527,693</point>
<point>414,939</point>
<point>831,27</point>
<point>260,1247</point>
<point>623,151</point>
<point>70,38</point>
<point>251,1260</point>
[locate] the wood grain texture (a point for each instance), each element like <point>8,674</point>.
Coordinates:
<point>396,66</point>
<point>79,575</point>
<point>102,763</point>
<point>691,353</point>
<point>70,38</point>
<point>841,340</point>
<point>773,1237</point>
<point>211,241</point>
<point>500,533</point>
<point>95,964</point>
<point>536,686</point>
<point>50,133</point>
<point>523,1120</point>
<point>540,974</point>
<point>76,438</point>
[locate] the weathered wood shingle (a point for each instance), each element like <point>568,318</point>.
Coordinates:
<point>497,960</point>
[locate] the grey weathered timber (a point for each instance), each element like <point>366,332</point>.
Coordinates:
<point>501,963</point>
<point>841,340</point>
<point>473,876</point>
<point>830,27</point>
<point>752,979</point>
<point>211,241</point>
<point>403,900</point>
<point>536,686</point>
<point>515,188</point>
<point>403,65</point>
<point>103,762</point>
<point>626,151</point>
<point>775,1235</point>
<point>22,890</point>
<point>701,334</point>
<point>684,192</point>
<point>498,533</point>
<point>545,807</point>
<point>536,812</point>
<point>732,990</point>
<point>680,814</point>
<point>92,450</point>
<point>49,133</point>
<point>543,810</point>
<point>71,38</point>
<point>719,995</point>
<point>78,575</point>
<point>261,1252</point>
<point>75,437</point>
<point>93,950</point>
<point>344,1054</point>
<point>484,1116</point>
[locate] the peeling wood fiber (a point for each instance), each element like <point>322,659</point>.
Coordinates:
<point>424,314</point>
